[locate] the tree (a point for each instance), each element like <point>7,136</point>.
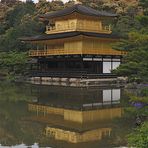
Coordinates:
<point>124,25</point>
<point>25,23</point>
<point>135,64</point>
<point>144,4</point>
<point>13,17</point>
<point>139,138</point>
<point>13,63</point>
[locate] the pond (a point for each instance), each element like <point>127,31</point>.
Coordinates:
<point>62,117</point>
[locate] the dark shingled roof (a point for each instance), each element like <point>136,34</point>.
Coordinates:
<point>79,9</point>
<point>67,35</point>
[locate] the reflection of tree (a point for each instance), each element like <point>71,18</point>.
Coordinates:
<point>14,92</point>
<point>13,128</point>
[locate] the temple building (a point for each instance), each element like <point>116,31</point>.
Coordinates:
<point>77,43</point>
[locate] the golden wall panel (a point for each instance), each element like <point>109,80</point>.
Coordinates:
<point>75,45</point>
<point>77,24</point>
<point>102,114</point>
<point>72,115</point>
<point>93,115</point>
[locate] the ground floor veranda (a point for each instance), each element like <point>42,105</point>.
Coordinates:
<point>74,66</point>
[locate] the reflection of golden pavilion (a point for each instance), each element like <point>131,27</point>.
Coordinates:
<point>79,125</point>
<point>76,115</point>
<point>76,137</point>
<point>78,42</point>
<point>76,126</point>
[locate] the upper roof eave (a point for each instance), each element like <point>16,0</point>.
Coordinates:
<point>79,9</point>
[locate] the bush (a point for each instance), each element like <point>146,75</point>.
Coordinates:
<point>139,138</point>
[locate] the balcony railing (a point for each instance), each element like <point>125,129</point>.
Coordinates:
<point>51,52</point>
<point>87,28</point>
<point>104,52</point>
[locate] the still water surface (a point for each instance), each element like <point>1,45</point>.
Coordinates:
<point>61,117</point>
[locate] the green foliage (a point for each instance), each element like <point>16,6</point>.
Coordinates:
<point>14,92</point>
<point>144,92</point>
<point>45,7</point>
<point>13,63</point>
<point>13,17</point>
<point>20,21</point>
<point>139,138</point>
<point>10,40</point>
<point>135,64</point>
<point>94,4</point>
<point>143,20</point>
<point>144,4</point>
<point>139,99</point>
<point>124,25</point>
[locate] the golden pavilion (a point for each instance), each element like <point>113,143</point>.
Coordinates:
<point>77,43</point>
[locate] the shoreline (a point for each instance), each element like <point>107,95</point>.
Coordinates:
<point>78,82</point>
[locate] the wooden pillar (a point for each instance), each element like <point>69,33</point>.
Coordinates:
<point>82,67</point>
<point>31,66</point>
<point>38,68</point>
<point>64,65</point>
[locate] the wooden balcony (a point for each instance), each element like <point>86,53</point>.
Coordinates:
<point>87,28</point>
<point>50,52</point>
<point>54,52</point>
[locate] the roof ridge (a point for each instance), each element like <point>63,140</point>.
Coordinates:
<point>80,9</point>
